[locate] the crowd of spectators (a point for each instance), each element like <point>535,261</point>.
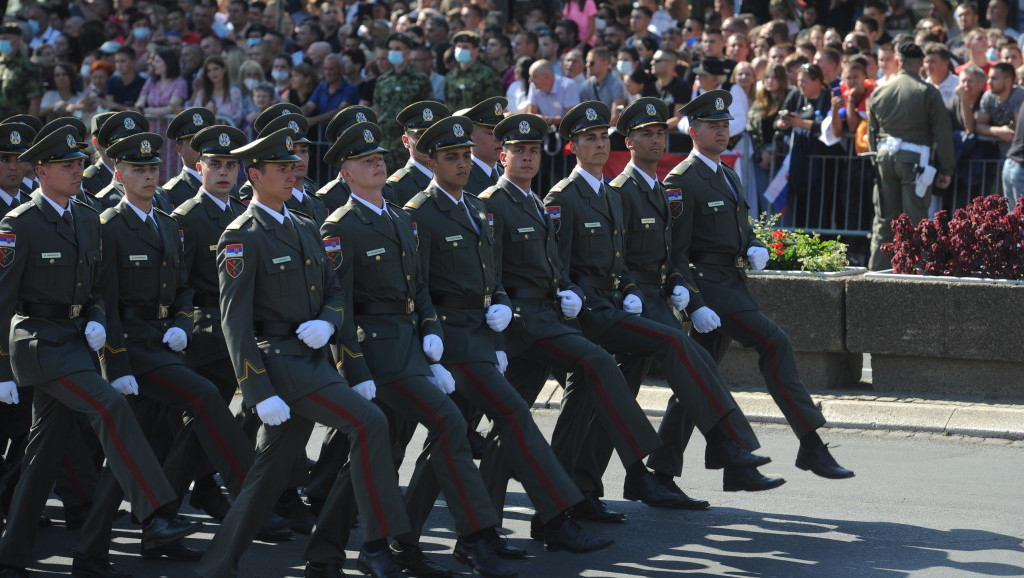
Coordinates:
<point>794,68</point>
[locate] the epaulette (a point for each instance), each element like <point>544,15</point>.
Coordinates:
<point>486,193</point>
<point>619,180</point>
<point>108,215</point>
<point>339,213</point>
<point>184,208</point>
<point>416,201</point>
<point>89,172</point>
<point>396,177</point>
<point>560,185</point>
<point>239,221</point>
<point>20,209</point>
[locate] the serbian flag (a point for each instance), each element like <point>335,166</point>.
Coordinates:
<point>776,191</point>
<point>233,250</point>
<point>7,240</point>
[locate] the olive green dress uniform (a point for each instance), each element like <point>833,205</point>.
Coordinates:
<point>115,128</point>
<point>273,277</point>
<point>50,269</point>
<point>184,125</point>
<point>409,180</point>
<point>479,181</point>
<point>82,134</point>
<point>486,114</point>
<point>393,91</point>
<point>15,138</point>
<point>98,174</point>
<point>540,336</point>
<point>375,259</point>
<point>336,192</point>
<point>457,258</point>
<point>910,109</point>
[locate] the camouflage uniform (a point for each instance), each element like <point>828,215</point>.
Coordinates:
<point>20,82</point>
<point>395,91</point>
<point>465,88</point>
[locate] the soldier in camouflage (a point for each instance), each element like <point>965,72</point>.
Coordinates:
<point>21,84</point>
<point>471,81</point>
<point>396,89</point>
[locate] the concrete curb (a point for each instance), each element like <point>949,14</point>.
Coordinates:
<point>949,417</point>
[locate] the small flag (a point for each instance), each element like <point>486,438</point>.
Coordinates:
<point>778,187</point>
<point>7,240</point>
<point>233,250</point>
<point>674,195</point>
<point>181,235</point>
<point>332,244</point>
<point>490,219</point>
<point>415,229</point>
<point>555,212</point>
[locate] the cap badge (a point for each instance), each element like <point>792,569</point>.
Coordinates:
<point>428,115</point>
<point>524,127</point>
<point>650,110</point>
<point>591,114</point>
<point>129,123</point>
<point>15,137</point>
<point>285,111</point>
<point>497,109</point>
<point>360,117</point>
<point>457,129</point>
<point>293,125</point>
<point>71,141</point>
<point>197,119</point>
<point>288,143</point>
<point>719,104</point>
<point>224,140</point>
<point>145,148</point>
<point>367,136</point>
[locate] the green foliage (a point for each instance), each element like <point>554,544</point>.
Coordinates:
<point>795,250</point>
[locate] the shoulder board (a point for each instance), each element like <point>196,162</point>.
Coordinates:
<point>108,215</point>
<point>310,184</point>
<point>239,221</point>
<point>397,175</point>
<point>172,182</point>
<point>20,209</point>
<point>619,180</point>
<point>416,201</point>
<point>486,194</point>
<point>680,168</point>
<point>184,208</point>
<point>89,172</point>
<point>561,185</point>
<point>339,213</point>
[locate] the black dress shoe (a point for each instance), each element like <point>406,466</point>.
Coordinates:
<point>748,480</point>
<point>650,491</point>
<point>820,461</point>
<point>163,529</point>
<point>415,563</point>
<point>378,564</point>
<point>75,516</point>
<point>571,537</point>
<point>730,454</point>
<point>505,550</point>
<point>173,551</point>
<point>275,529</point>
<point>477,443</point>
<point>9,572</point>
<point>83,566</point>
<point>209,499</point>
<point>593,509</point>
<point>688,503</point>
<point>299,515</point>
<point>481,558</point>
<point>332,569</point>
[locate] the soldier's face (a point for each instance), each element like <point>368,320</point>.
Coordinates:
<point>368,173</point>
<point>62,179</point>
<point>219,174</point>
<point>10,173</point>
<point>139,181</point>
<point>189,157</point>
<point>487,147</point>
<point>647,144</point>
<point>591,147</point>
<point>274,183</point>
<point>451,167</point>
<point>409,139</point>
<point>710,137</point>
<point>301,150</point>
<point>521,161</point>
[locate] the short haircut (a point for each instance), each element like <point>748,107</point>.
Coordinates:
<point>127,51</point>
<point>1005,67</point>
<point>644,10</point>
<point>870,23</point>
<point>975,71</point>
<point>794,60</point>
<point>831,54</point>
<point>939,49</point>
<point>601,53</point>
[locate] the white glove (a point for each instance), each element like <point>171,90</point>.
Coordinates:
<point>95,335</point>
<point>680,297</point>
<point>571,303</point>
<point>632,304</point>
<point>502,361</point>
<point>176,339</point>
<point>273,411</point>
<point>442,379</point>
<point>705,320</point>
<point>315,333</point>
<point>126,385</point>
<point>498,317</point>
<point>433,347</point>
<point>367,389</point>
<point>9,392</point>
<point>757,257</point>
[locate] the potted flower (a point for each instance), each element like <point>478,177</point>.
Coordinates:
<point>942,319</point>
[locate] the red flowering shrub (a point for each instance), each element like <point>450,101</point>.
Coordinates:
<point>985,240</point>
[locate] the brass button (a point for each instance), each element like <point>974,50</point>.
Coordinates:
<point>455,244</point>
<point>517,310</point>
<point>526,236</point>
<point>282,267</point>
<point>403,253</point>
<point>378,257</point>
<point>51,261</point>
<point>444,318</point>
<point>617,254</point>
<point>136,263</point>
<point>164,285</point>
<point>312,288</point>
<point>309,262</point>
<point>277,351</point>
<point>373,335</point>
<point>163,264</point>
<point>483,266</point>
<point>208,316</point>
<point>408,278</point>
<point>615,231</point>
<point>80,261</point>
<point>79,284</point>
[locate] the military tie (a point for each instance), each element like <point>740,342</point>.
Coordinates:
<point>472,221</point>
<point>15,202</point>
<point>290,228</point>
<point>69,219</point>
<point>724,181</point>
<point>391,220</point>
<point>152,229</point>
<point>537,205</point>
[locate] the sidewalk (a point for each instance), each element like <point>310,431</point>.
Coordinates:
<point>857,410</point>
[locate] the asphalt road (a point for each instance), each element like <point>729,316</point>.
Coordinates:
<point>921,505</point>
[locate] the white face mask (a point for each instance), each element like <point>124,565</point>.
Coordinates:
<point>85,71</point>
<point>279,75</point>
<point>251,83</point>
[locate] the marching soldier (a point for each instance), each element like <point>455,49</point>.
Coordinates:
<point>280,305</point>
<point>29,180</point>
<point>590,242</point>
<point>457,254</point>
<point>14,140</point>
<point>181,129</point>
<point>56,312</point>
<point>415,176</point>
<point>100,173</point>
<point>82,134</point>
<point>486,168</point>
<point>710,236</point>
<point>373,249</point>
<point>335,193</point>
<point>402,84</point>
<point>121,125</point>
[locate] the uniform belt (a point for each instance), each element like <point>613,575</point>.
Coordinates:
<point>606,283</point>
<point>145,312</point>
<point>461,301</point>
<point>722,259</point>
<point>523,293</point>
<point>51,310</point>
<point>274,328</point>
<point>649,278</point>
<point>384,308</point>
<point>206,300</point>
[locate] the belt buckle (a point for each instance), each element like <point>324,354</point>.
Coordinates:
<point>487,301</point>
<point>163,312</point>
<point>409,306</point>
<point>74,311</point>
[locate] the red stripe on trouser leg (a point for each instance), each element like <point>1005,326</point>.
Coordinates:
<point>72,476</point>
<point>601,394</point>
<point>204,416</point>
<point>445,441</point>
<point>115,437</point>
<point>517,433</point>
<point>775,368</point>
<point>692,371</point>
<point>364,453</point>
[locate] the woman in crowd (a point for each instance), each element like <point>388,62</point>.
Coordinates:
<point>583,13</point>
<point>216,93</point>
<point>281,74</point>
<point>499,53</point>
<point>519,89</point>
<point>88,103</point>
<point>59,100</point>
<point>165,90</point>
<point>761,119</point>
<point>304,79</point>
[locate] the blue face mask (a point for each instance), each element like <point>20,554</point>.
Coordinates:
<point>624,67</point>
<point>34,26</point>
<point>992,55</point>
<point>395,57</point>
<point>462,55</point>
<point>253,42</point>
<point>140,33</point>
<point>6,47</point>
